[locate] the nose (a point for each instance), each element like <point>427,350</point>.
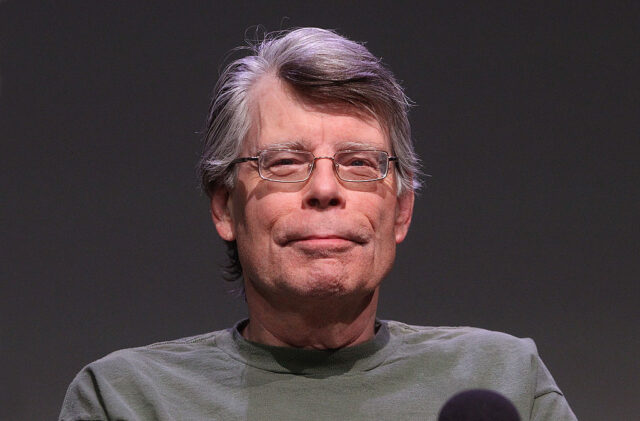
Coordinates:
<point>323,187</point>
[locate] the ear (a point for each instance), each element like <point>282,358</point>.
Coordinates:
<point>221,214</point>
<point>404,211</point>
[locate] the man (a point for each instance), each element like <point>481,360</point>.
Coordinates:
<point>311,172</point>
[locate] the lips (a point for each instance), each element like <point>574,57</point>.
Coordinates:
<point>322,246</point>
<point>323,237</point>
<point>323,241</point>
<point>329,242</point>
<point>337,236</point>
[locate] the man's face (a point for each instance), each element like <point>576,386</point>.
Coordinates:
<point>321,237</point>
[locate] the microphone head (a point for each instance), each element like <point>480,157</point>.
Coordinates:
<point>478,405</point>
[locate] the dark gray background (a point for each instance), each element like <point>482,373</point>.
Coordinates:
<point>527,118</point>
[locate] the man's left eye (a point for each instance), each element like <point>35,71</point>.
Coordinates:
<point>359,162</point>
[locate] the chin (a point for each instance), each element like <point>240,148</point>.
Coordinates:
<point>320,284</point>
<point>324,288</point>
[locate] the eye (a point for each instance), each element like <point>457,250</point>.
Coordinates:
<point>357,163</point>
<point>280,159</point>
<point>283,161</point>
<point>358,160</point>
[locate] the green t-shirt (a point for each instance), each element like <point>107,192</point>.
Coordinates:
<point>404,373</point>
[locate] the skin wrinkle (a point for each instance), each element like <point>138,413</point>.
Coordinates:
<point>300,145</point>
<point>319,293</point>
<point>303,340</point>
<point>331,71</point>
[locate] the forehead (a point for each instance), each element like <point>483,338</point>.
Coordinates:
<point>280,116</point>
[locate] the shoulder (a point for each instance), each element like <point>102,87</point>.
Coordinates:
<point>458,358</point>
<point>459,335</point>
<point>158,357</point>
<point>469,357</point>
<point>466,342</point>
<point>125,381</point>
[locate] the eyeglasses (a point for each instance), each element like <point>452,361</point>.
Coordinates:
<point>294,166</point>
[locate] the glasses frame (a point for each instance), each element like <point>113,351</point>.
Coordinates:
<point>312,164</point>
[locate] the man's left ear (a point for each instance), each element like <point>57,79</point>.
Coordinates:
<point>404,211</point>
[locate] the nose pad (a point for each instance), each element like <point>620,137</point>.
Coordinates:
<point>324,189</point>
<point>334,170</point>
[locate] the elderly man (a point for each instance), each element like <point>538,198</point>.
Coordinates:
<point>311,173</point>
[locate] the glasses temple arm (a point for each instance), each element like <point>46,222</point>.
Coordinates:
<point>244,159</point>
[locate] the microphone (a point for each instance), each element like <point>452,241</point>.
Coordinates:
<point>478,405</point>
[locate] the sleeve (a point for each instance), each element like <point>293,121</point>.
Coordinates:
<point>116,387</point>
<point>83,400</point>
<point>549,403</point>
<point>552,406</point>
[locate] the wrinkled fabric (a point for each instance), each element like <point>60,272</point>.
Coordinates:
<point>405,372</point>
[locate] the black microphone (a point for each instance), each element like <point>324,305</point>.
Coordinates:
<point>478,405</point>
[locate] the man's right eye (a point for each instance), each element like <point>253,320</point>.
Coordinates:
<point>282,162</point>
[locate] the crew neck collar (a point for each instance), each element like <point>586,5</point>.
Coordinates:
<point>361,357</point>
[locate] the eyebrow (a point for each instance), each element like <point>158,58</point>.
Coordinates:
<point>357,146</point>
<point>298,145</point>
<point>294,145</point>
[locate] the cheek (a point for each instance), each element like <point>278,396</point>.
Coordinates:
<point>382,210</point>
<point>381,216</point>
<point>261,214</point>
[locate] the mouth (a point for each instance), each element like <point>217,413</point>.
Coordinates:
<point>322,239</point>
<point>323,236</point>
<point>322,244</point>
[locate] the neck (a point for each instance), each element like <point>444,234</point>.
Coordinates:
<point>311,323</point>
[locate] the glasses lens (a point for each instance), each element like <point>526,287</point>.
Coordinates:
<point>284,165</point>
<point>362,165</point>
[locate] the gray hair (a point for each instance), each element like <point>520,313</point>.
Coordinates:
<point>322,67</point>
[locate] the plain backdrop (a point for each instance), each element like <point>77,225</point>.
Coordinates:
<point>526,115</point>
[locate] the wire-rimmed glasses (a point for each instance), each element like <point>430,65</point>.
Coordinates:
<point>295,166</point>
